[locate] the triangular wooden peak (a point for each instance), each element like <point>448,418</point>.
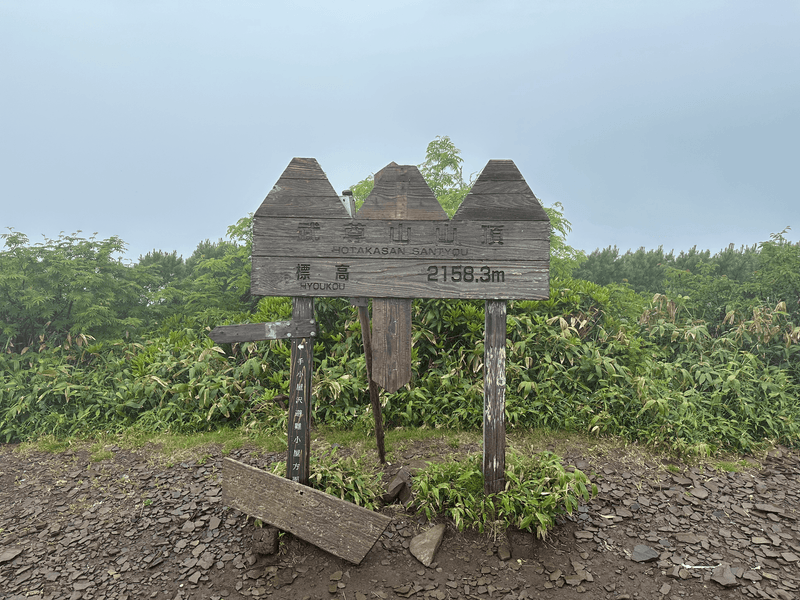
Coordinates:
<point>400,192</point>
<point>303,191</point>
<point>500,193</point>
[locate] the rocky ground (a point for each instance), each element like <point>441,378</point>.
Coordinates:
<point>130,527</point>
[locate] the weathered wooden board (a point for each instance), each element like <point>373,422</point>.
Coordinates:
<point>401,243</point>
<point>336,526</point>
<point>391,342</point>
<point>500,192</point>
<point>377,413</point>
<point>401,192</point>
<point>393,278</point>
<point>379,239</point>
<point>301,367</point>
<point>494,397</point>
<point>251,332</point>
<point>303,190</point>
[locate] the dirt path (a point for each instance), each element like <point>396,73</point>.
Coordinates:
<point>126,528</point>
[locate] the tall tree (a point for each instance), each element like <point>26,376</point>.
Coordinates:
<point>65,287</point>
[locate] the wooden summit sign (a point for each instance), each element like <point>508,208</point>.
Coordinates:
<point>400,245</point>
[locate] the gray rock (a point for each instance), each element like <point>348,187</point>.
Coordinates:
<point>424,546</point>
<point>642,553</point>
<point>724,576</point>
<point>265,540</point>
<point>399,488</point>
<point>504,552</point>
<point>10,554</point>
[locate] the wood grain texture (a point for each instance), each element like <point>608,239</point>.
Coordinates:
<point>374,395</point>
<point>303,190</point>
<point>494,398</point>
<point>501,192</point>
<point>486,239</point>
<point>341,528</point>
<point>518,207</point>
<point>391,342</point>
<point>501,169</point>
<point>401,192</point>
<point>251,332</point>
<point>301,366</point>
<point>393,278</point>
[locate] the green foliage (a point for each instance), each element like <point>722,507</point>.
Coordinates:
<point>538,490</point>
<point>708,362</point>
<point>348,478</point>
<point>60,288</point>
<point>443,173</point>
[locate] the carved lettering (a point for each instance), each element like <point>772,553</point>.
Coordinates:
<point>465,274</point>
<point>492,235</point>
<point>323,286</point>
<point>342,273</point>
<point>398,236</point>
<point>354,232</point>
<point>445,236</point>
<point>307,232</point>
<point>370,250</point>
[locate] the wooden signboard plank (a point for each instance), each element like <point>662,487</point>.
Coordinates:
<point>494,397</point>
<point>252,332</point>
<point>300,372</point>
<point>493,195</point>
<point>336,526</point>
<point>378,239</point>
<point>392,278</point>
<point>303,190</point>
<point>391,331</point>
<point>377,413</point>
<point>401,192</point>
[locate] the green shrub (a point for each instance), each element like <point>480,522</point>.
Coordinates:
<point>538,490</point>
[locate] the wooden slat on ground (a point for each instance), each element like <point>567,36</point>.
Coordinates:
<point>336,526</point>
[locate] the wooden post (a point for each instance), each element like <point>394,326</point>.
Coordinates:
<point>391,324</point>
<point>363,317</point>
<point>494,398</point>
<point>302,365</point>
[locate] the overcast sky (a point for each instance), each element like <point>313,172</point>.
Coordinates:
<point>163,122</point>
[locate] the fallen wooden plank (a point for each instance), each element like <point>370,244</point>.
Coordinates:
<point>336,526</point>
<point>276,330</point>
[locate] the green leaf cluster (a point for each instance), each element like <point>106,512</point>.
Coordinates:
<point>538,490</point>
